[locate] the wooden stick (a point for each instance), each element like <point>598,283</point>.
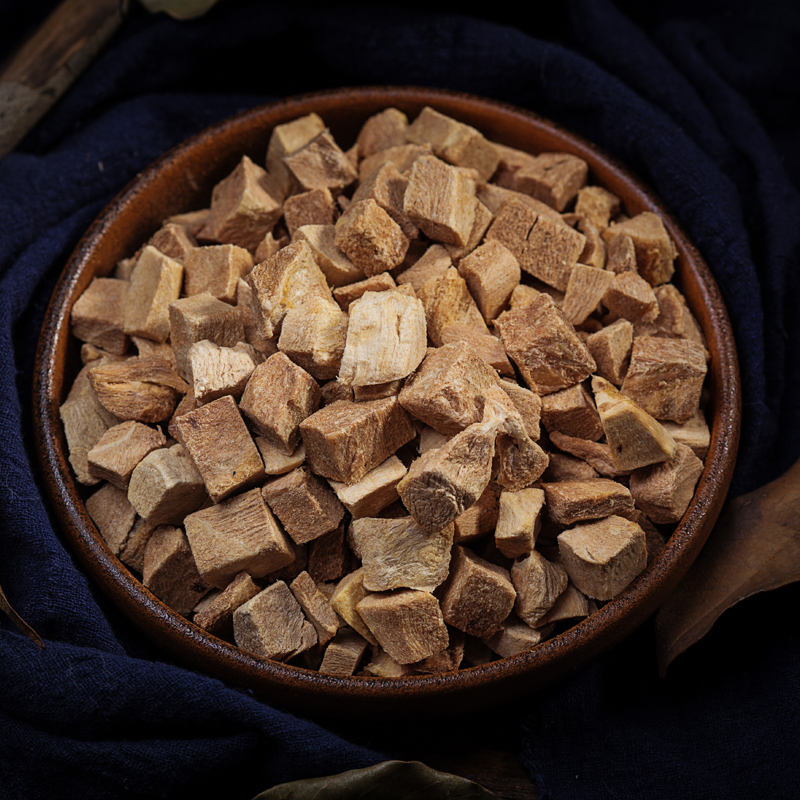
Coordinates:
<point>44,67</point>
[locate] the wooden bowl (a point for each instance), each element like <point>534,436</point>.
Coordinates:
<point>182,180</point>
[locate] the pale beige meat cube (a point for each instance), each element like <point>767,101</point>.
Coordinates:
<point>386,339</point>
<point>480,518</point>
<point>173,240</point>
<point>343,654</point>
<point>529,405</point>
<point>345,295</point>
<point>402,156</point>
<point>166,486</point>
<point>551,251</point>
<point>316,607</point>
<point>631,297</point>
<point>248,307</point>
<point>585,289</point>
<point>570,604</point>
<point>611,349</point>
<point>244,206</point>
<point>387,187</point>
<point>655,250</point>
<point>149,348</point>
<point>288,279</point>
<point>598,205</point>
<point>376,490</point>
<point>237,534</point>
<point>344,440</point>
<point>433,264</point>
<point>338,269</point>
<point>447,301</point>
<point>141,388</point>
<point>538,583</point>
<point>349,592</point>
<point>363,394</point>
<point>446,660</point>
<point>483,218</point>
<point>221,447</point>
<point>276,462</point>
<point>382,665</point>
<point>573,501</point>
<point>454,141</point>
<point>664,491</point>
<point>519,521</point>
<point>430,439</point>
<point>596,454</point>
<point>445,482</point>
<point>370,238</point>
<point>447,391</point>
<point>272,625</point>
<point>440,200</point>
<point>155,283</point>
<point>313,335</point>
<point>515,637</point>
<point>309,208</point>
<point>489,348</point>
<point>512,223</point>
<point>385,129</point>
<point>494,197</point>
<point>287,139</point>
<point>553,178</point>
<point>216,617</point>
<point>216,270</point>
<point>120,449</point>
<point>113,514</point>
<point>621,255</point>
<point>407,623</point>
<point>544,345</point>
<point>602,558</point>
<point>333,391</point>
<point>98,315</point>
<point>665,377</point>
<point>567,468</point>
<point>321,164</point>
<point>594,253</point>
<point>268,246</point>
<point>216,371</point>
<point>675,318</point>
<point>694,433</point>
<point>278,397</point>
<point>192,319</point>
<point>304,504</point>
<point>133,550</point>
<point>491,272</point>
<point>634,437</point>
<point>523,295</point>
<point>478,596</point>
<point>572,411</point>
<point>397,554</point>
<point>169,570</point>
<point>191,221</point>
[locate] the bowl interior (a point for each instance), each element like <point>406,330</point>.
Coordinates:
<point>182,181</point>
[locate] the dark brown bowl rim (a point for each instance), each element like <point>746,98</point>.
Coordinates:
<point>479,686</point>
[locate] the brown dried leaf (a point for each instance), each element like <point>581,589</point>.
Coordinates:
<point>754,547</point>
<point>19,622</point>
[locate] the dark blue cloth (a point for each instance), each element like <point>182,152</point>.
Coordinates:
<point>700,99</point>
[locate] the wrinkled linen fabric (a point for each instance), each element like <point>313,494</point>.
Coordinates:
<point>701,101</point>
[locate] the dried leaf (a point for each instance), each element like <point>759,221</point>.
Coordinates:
<point>180,9</point>
<point>390,780</point>
<point>754,547</point>
<point>18,621</point>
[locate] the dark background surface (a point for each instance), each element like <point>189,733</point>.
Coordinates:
<point>701,99</point>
